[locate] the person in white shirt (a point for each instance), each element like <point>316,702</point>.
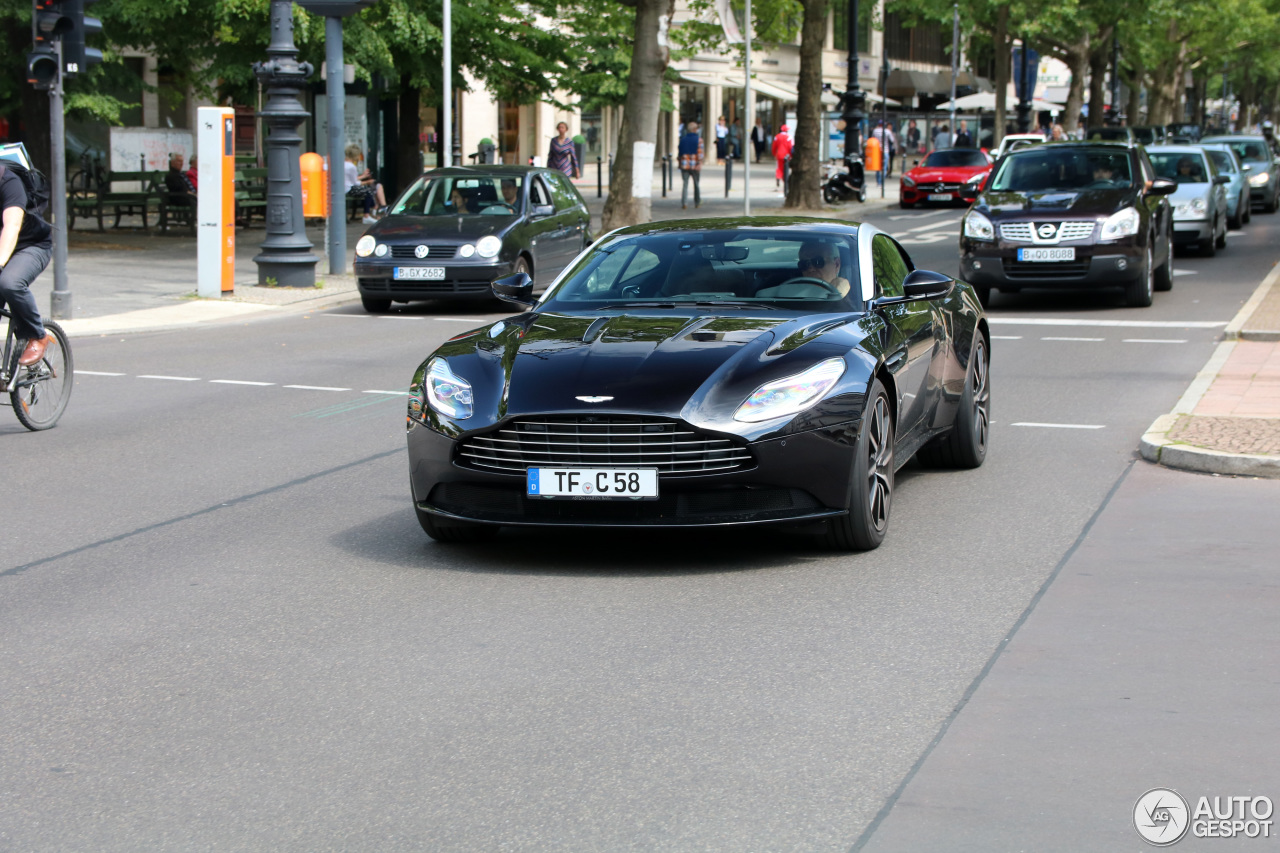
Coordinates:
<point>362,186</point>
<point>888,145</point>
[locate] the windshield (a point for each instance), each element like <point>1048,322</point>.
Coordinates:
<point>1109,134</point>
<point>472,195</point>
<point>1145,135</point>
<point>1222,160</point>
<point>730,267</point>
<point>1249,149</point>
<point>955,157</point>
<point>1183,168</point>
<point>1045,168</point>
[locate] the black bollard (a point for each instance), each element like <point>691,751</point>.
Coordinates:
<point>599,177</point>
<point>662,165</point>
<point>728,174</point>
<point>786,174</point>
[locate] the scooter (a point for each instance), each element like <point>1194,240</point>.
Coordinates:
<point>847,184</point>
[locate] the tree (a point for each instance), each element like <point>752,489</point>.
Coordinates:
<point>804,190</point>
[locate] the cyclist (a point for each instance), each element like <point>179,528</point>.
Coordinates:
<point>25,247</point>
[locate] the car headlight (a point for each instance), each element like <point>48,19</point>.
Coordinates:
<point>467,250</point>
<point>908,182</point>
<point>978,227</point>
<point>381,250</point>
<point>364,246</point>
<point>1123,223</point>
<point>446,392</point>
<point>489,247</point>
<point>791,394</point>
<point>1260,179</point>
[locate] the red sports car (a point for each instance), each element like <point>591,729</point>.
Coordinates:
<point>943,176</point>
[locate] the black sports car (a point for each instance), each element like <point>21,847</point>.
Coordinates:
<point>455,230</point>
<point>723,372</point>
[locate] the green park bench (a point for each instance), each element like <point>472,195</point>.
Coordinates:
<point>90,201</point>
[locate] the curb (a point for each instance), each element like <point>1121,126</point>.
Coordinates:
<point>204,312</point>
<point>1158,448</point>
<point>1235,329</point>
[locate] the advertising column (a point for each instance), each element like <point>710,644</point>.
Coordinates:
<point>216,202</point>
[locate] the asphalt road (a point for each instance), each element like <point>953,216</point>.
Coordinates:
<point>221,627</point>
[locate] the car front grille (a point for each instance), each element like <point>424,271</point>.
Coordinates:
<point>673,448</point>
<point>437,252</point>
<point>1053,271</point>
<point>943,187</point>
<point>1023,232</point>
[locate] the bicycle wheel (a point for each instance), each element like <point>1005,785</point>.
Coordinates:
<point>45,387</point>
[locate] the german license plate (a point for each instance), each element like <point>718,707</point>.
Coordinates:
<point>941,197</point>
<point>1068,254</point>
<point>592,482</point>
<point>428,273</point>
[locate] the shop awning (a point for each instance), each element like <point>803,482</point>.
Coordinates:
<point>986,102</point>
<point>904,83</point>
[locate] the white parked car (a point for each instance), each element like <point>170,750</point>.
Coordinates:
<point>1014,141</point>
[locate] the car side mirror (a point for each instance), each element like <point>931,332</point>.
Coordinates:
<point>915,162</point>
<point>920,284</point>
<point>542,210</point>
<point>516,289</point>
<point>1162,186</point>
<point>1222,179</point>
<point>1245,167</point>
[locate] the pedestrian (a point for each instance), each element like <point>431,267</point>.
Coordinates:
<point>1057,134</point>
<point>760,139</point>
<point>563,154</point>
<point>722,138</point>
<point>361,185</point>
<point>913,137</point>
<point>871,158</point>
<point>735,140</point>
<point>180,192</point>
<point>885,137</point>
<point>26,243</point>
<point>691,154</point>
<point>193,175</point>
<point>781,151</point>
<point>963,139</point>
<point>943,137</point>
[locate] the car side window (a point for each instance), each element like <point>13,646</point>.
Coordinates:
<point>566,197</point>
<point>888,266</point>
<point>538,192</point>
<point>1148,171</point>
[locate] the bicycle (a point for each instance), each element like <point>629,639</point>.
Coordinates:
<point>37,392</point>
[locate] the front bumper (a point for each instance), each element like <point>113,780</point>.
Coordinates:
<point>921,194</point>
<point>798,479</point>
<point>375,277</point>
<point>988,264</point>
<point>1187,231</point>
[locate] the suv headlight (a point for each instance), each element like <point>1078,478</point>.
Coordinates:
<point>908,182</point>
<point>1123,223</point>
<point>489,247</point>
<point>446,392</point>
<point>791,394</point>
<point>978,227</point>
<point>364,246</point>
<point>1260,179</point>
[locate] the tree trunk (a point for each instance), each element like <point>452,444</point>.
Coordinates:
<point>1134,82</point>
<point>805,189</point>
<point>1099,57</point>
<point>1004,68</point>
<point>408,148</point>
<point>631,179</point>
<point>1077,59</point>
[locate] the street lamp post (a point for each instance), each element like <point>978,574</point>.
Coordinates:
<point>854,99</point>
<point>286,258</point>
<point>1024,94</point>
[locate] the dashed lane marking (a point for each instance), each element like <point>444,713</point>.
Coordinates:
<point>172,378</point>
<point>918,215</point>
<point>396,393</point>
<point>238,382</point>
<point>1091,340</point>
<point>408,317</point>
<point>1006,337</point>
<point>1131,324</point>
<point>97,373</point>
<point>1154,341</point>
<point>316,388</point>
<point>241,382</point>
<point>1059,426</point>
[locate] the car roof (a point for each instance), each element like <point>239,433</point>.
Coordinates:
<point>1103,144</point>
<point>728,223</point>
<point>1235,137</point>
<point>472,171</point>
<point>1175,149</point>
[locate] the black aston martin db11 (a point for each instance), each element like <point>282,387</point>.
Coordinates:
<point>709,373</point>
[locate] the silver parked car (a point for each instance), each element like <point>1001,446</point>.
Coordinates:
<point>1264,168</point>
<point>1200,201</point>
<point>1237,187</point>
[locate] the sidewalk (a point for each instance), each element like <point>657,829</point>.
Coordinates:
<point>1228,422</point>
<point>127,280</point>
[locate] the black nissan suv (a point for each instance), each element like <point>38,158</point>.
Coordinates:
<point>1070,215</point>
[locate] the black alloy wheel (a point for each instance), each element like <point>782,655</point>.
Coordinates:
<point>1140,293</point>
<point>966,445</point>
<point>871,483</point>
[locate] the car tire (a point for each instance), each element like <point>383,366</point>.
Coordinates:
<point>375,304</point>
<point>1247,211</point>
<point>454,531</point>
<point>1140,293</point>
<point>871,480</point>
<point>829,195</point>
<point>906,205</point>
<point>1164,273</point>
<point>1270,206</point>
<point>1209,247</point>
<point>966,445</point>
<point>1221,242</point>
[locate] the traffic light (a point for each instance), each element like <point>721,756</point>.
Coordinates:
<point>76,56</point>
<point>42,68</point>
<point>49,23</point>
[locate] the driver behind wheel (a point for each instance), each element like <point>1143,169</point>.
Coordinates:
<point>509,191</point>
<point>822,260</point>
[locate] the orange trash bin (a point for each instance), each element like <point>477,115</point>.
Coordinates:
<point>871,155</point>
<point>315,190</point>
